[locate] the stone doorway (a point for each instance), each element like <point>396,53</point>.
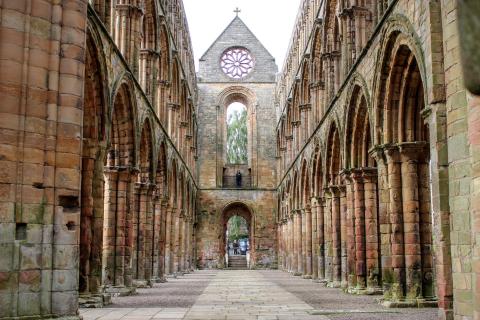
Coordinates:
<point>243,256</point>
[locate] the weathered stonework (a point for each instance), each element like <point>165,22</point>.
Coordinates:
<point>387,113</point>
<point>216,92</point>
<point>112,152</point>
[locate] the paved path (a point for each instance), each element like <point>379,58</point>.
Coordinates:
<point>259,295</point>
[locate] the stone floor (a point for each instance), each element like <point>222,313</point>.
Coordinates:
<point>260,295</point>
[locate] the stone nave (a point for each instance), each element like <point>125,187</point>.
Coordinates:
<point>362,174</point>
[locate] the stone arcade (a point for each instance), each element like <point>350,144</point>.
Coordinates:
<point>363,152</point>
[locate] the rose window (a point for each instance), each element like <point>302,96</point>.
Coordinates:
<point>237,63</point>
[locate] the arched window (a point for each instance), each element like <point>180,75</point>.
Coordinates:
<point>237,134</point>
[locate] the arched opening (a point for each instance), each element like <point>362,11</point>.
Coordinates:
<point>238,229</point>
<point>237,134</point>
<point>92,185</point>
<point>407,155</point>
<point>119,177</point>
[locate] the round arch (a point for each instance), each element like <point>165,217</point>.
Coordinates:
<point>238,208</point>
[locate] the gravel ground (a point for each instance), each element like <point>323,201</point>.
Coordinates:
<point>181,292</point>
<point>322,298</point>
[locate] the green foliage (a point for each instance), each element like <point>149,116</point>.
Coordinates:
<point>237,228</point>
<point>237,137</point>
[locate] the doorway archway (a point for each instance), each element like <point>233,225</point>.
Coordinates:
<point>239,209</point>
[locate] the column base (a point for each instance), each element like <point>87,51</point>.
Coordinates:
<point>120,291</point>
<point>334,284</point>
<point>307,276</point>
<point>411,303</point>
<point>321,281</point>
<point>374,291</point>
<point>297,274</point>
<point>137,283</point>
<point>94,300</point>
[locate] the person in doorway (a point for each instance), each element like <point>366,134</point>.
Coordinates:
<point>235,247</point>
<point>238,177</point>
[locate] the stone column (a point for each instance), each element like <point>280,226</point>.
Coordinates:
<point>360,237</point>
<point>321,238</point>
<point>371,230</point>
<point>168,239</point>
<point>328,234</point>
<point>343,236</point>
<point>139,237</point>
<point>181,238</point>
<point>127,31</point>
<point>300,237</point>
<point>394,282</point>
<point>350,230</point>
<point>383,216</point>
<point>117,275</point>
<point>314,239</point>
<point>308,241</point>
<point>110,227</point>
<point>303,242</point>
<point>336,237</point>
<point>149,234</point>
<point>426,237</point>
<point>156,222</point>
<point>291,243</point>
<point>411,219</point>
<point>176,241</point>
<point>148,61</point>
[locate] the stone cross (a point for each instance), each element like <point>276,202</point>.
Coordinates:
<point>237,11</point>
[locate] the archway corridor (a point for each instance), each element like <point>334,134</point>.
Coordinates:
<point>248,295</point>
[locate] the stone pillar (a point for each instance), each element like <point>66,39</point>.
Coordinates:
<point>314,239</point>
<point>394,282</point>
<point>291,243</point>
<point>156,222</point>
<point>127,36</point>
<point>168,239</point>
<point>139,237</point>
<point>360,237</point>
<point>148,61</point>
<point>383,216</point>
<point>328,234</point>
<point>321,238</point>
<point>149,234</point>
<point>411,220</point>
<point>118,235</point>
<point>426,237</point>
<point>303,243</point>
<point>176,241</point>
<point>298,243</point>
<point>343,236</point>
<point>350,231</point>
<point>336,237</point>
<point>308,241</point>
<point>110,226</point>
<point>371,230</point>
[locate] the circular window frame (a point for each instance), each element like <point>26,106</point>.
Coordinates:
<point>244,74</point>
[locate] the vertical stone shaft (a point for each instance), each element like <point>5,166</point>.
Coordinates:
<point>308,239</point>
<point>110,224</point>
<point>336,238</point>
<point>343,236</point>
<point>168,238</point>
<point>350,225</point>
<point>411,222</point>
<point>328,234</point>
<point>321,238</point>
<point>426,237</point>
<point>396,221</point>
<point>175,241</point>
<point>359,209</point>
<point>299,268</point>
<point>304,242</point>
<point>314,239</point>
<point>371,230</point>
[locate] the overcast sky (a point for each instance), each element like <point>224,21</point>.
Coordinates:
<point>270,20</point>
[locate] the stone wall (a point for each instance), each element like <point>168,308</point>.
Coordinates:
<point>354,196</point>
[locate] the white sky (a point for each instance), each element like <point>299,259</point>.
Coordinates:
<point>270,20</point>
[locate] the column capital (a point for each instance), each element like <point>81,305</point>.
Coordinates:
<point>412,151</point>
